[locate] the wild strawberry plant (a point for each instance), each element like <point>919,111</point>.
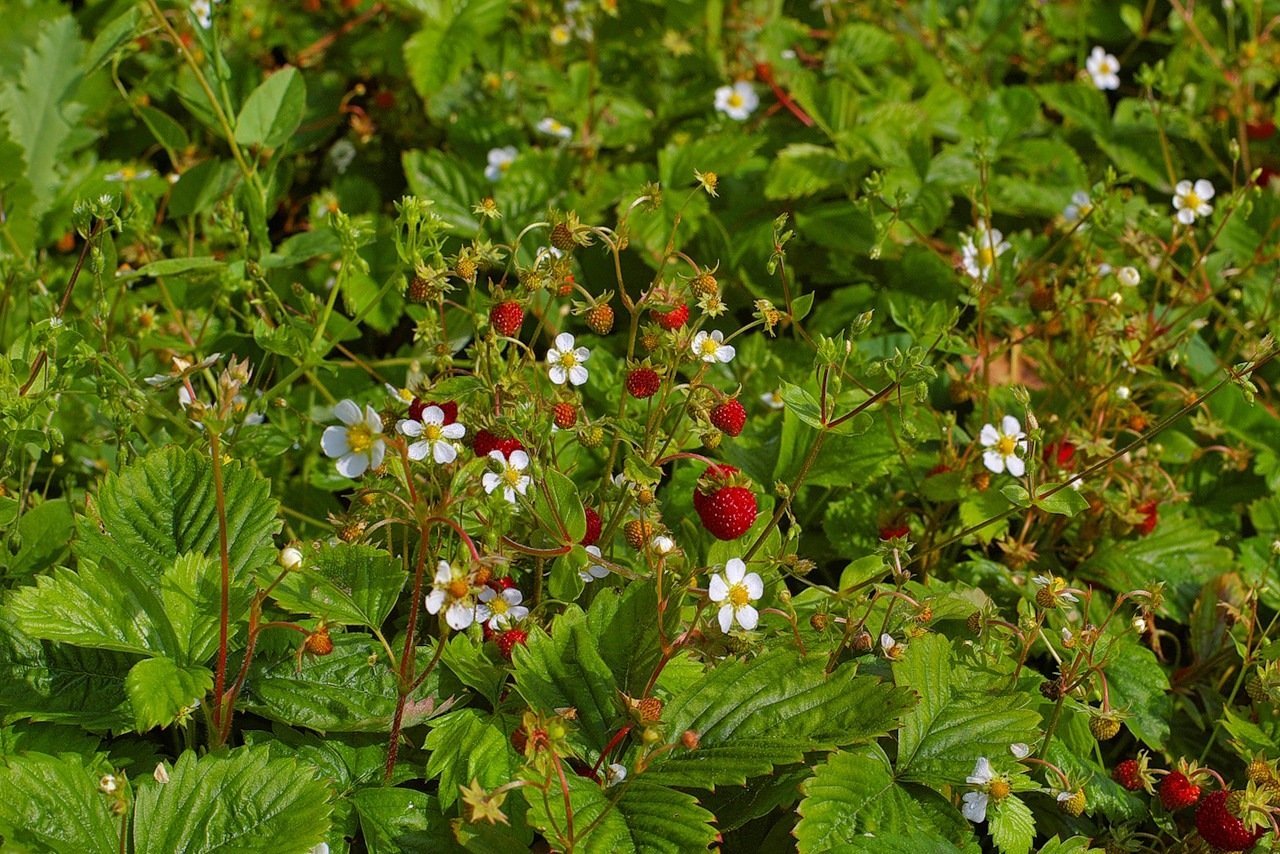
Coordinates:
<point>635,426</point>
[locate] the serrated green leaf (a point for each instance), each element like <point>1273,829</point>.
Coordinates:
<point>1139,685</point>
<point>1064,502</point>
<point>393,821</point>
<point>443,48</point>
<point>958,718</point>
<point>273,111</point>
<point>1011,825</point>
<point>345,584</point>
<point>469,745</point>
<point>659,819</point>
<point>624,624</point>
<point>592,808</point>
<point>238,801</point>
<point>802,169</point>
<point>559,507</point>
<point>160,690</point>
<point>53,804</point>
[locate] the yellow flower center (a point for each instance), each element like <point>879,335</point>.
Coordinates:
<point>1006,446</point>
<point>568,359</point>
<point>128,173</point>
<point>432,432</point>
<point>1192,200</point>
<point>735,100</point>
<point>1105,67</point>
<point>498,605</point>
<point>709,346</point>
<point>998,788</point>
<point>512,475</point>
<point>458,588</point>
<point>359,438</point>
<point>738,595</point>
<point>986,256</point>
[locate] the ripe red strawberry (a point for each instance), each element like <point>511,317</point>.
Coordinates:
<point>892,532</point>
<point>1062,453</point>
<point>729,416</point>
<point>593,528</point>
<point>509,445</point>
<point>565,415</point>
<point>484,442</point>
<point>448,407</point>
<point>1128,774</point>
<point>643,382</point>
<point>1260,130</point>
<point>671,320</point>
<point>507,641</point>
<point>1150,510</point>
<point>726,509</point>
<point>506,317</point>
<point>1220,828</point>
<point>1177,792</point>
<point>501,582</point>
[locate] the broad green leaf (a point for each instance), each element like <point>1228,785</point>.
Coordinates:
<point>231,802</point>
<point>559,507</point>
<point>394,821</point>
<point>175,266</point>
<point>191,596</point>
<point>1011,825</point>
<point>353,689</point>
<point>1064,502</point>
<point>853,800</point>
<point>592,807</point>
<point>111,37</point>
<point>346,584</point>
<point>468,661</point>
<point>160,691</point>
<point>958,719</point>
<point>53,804</point>
<point>436,177</point>
<point>802,169</point>
<point>273,111</point>
<point>1140,686</point>
<point>469,745</point>
<point>625,626</point>
<point>659,819</point>
<point>201,186</point>
<point>439,52</point>
<point>752,715</point>
<point>42,536</point>
<point>163,506</point>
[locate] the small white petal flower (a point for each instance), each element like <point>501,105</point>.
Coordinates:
<point>1123,392</point>
<point>511,478</point>
<point>437,438</point>
<point>615,774</point>
<point>594,570</point>
<point>1192,200</point>
<point>561,35</point>
<point>710,348</point>
<point>358,444</point>
<point>202,12</point>
<point>1003,445</point>
<point>772,399</point>
<point>452,591</point>
<point>504,608</point>
<point>663,545</point>
<point>1129,276</point>
<point>974,807</point>
<point>738,101</point>
<point>500,160</point>
<point>734,592</point>
<point>566,361</point>
<point>981,249</point>
<point>290,558</point>
<point>1078,209</point>
<point>552,127</point>
<point>1103,69</point>
<point>1020,750</point>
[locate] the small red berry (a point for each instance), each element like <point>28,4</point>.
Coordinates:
<point>484,442</point>
<point>1260,130</point>
<point>892,532</point>
<point>600,319</point>
<point>593,528</point>
<point>727,511</point>
<point>1177,792</point>
<point>385,99</point>
<point>509,446</point>
<point>501,582</point>
<point>1061,453</point>
<point>729,416</point>
<point>506,317</point>
<point>519,739</point>
<point>1128,774</point>
<point>671,320</point>
<point>565,415</point>
<point>643,382</point>
<point>508,640</point>
<point>1147,525</point>
<point>1220,828</point>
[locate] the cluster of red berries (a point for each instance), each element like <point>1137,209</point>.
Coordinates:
<point>484,441</point>
<point>1215,818</point>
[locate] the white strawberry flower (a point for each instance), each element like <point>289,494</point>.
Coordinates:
<point>566,361</point>
<point>202,12</point>
<point>553,127</point>
<point>1103,69</point>
<point>504,608</point>
<point>400,395</point>
<point>1020,750</point>
<point>772,399</point>
<point>735,592</point>
<point>1079,208</point>
<point>290,558</point>
<point>710,348</point>
<point>1003,445</point>
<point>593,570</point>
<point>615,774</point>
<point>125,174</point>
<point>452,591</point>
<point>500,160</point>
<point>1192,200</point>
<point>1057,586</point>
<point>981,249</point>
<point>1129,276</point>
<point>974,807</point>
<point>436,437</point>
<point>512,478</point>
<point>663,545</point>
<point>738,101</point>
<point>891,648</point>
<point>358,444</point>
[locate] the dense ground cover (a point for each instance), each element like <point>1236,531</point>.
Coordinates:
<point>435,425</point>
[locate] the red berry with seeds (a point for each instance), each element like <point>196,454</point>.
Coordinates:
<point>671,320</point>
<point>1178,792</point>
<point>643,382</point>
<point>506,317</point>
<point>729,416</point>
<point>726,509</point>
<point>1220,828</point>
<point>484,442</point>
<point>565,415</point>
<point>893,532</point>
<point>508,640</point>
<point>600,319</point>
<point>1128,774</point>
<point>1150,510</point>
<point>593,528</point>
<point>508,446</point>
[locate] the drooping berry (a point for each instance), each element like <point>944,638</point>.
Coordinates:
<point>1220,828</point>
<point>638,532</point>
<point>564,415</point>
<point>727,512</point>
<point>1104,726</point>
<point>1150,510</point>
<point>507,317</point>
<point>673,319</point>
<point>704,284</point>
<point>465,269</point>
<point>509,445</point>
<point>509,639</point>
<point>593,528</point>
<point>600,319</point>
<point>448,408</point>
<point>893,532</point>
<point>1061,453</point>
<point>643,382</point>
<point>1075,804</point>
<point>562,237</point>
<point>483,442</point>
<point>1128,774</point>
<point>1178,792</point>
<point>729,416</point>
<point>419,290</point>
<point>319,642</point>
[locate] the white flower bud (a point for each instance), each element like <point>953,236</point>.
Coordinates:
<point>1129,276</point>
<point>290,558</point>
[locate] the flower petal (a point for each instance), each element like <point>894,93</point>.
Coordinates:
<point>994,461</point>
<point>717,590</point>
<point>353,465</point>
<point>1009,426</point>
<point>490,481</point>
<point>519,460</point>
<point>725,618</point>
<point>444,453</point>
<point>333,441</point>
<point>564,342</point>
<point>989,435</point>
<point>755,585</point>
<point>418,450</point>
<point>1016,466</point>
<point>748,617</point>
<point>734,569</point>
<point>577,375</point>
<point>459,615</point>
<point>435,601</point>
<point>347,412</point>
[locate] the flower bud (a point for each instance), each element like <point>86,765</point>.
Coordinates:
<point>290,558</point>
